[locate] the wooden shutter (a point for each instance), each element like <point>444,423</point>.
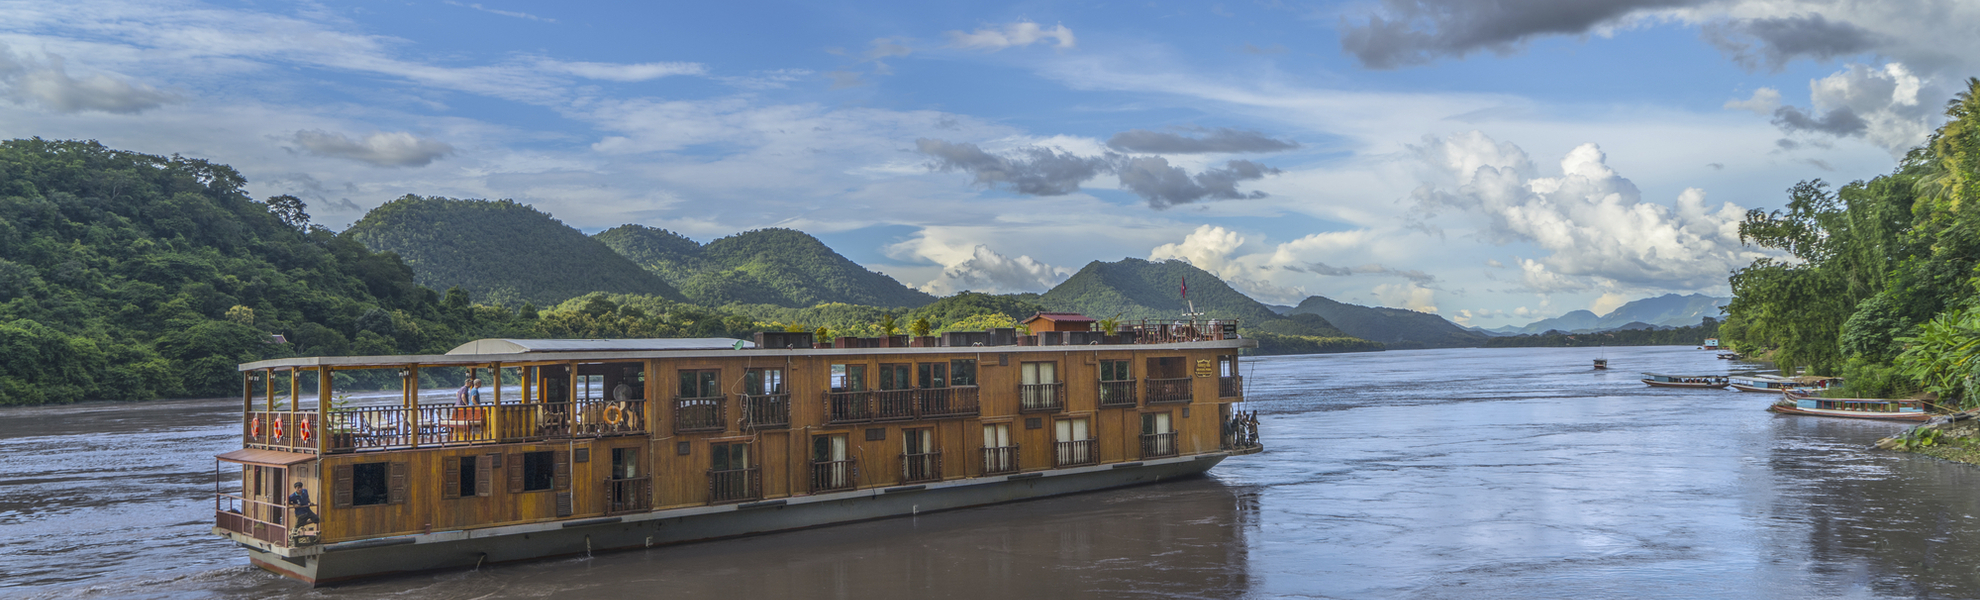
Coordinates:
<point>397,491</point>
<point>563,504</point>
<point>515,467</point>
<point>340,486</point>
<point>563,470</point>
<point>450,478</point>
<point>484,474</point>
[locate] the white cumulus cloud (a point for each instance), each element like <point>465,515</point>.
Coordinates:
<point>47,82</point>
<point>385,149</point>
<point>1021,33</point>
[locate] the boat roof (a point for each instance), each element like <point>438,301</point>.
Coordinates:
<point>273,458</point>
<point>480,353</point>
<point>1680,376</point>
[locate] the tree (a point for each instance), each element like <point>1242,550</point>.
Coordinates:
<point>290,210</point>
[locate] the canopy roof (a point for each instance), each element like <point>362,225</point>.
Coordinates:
<point>269,458</point>
<point>509,346</point>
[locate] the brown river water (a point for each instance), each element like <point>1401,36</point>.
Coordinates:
<point>1470,473</point>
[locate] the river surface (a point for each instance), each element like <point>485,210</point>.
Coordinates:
<point>1471,473</point>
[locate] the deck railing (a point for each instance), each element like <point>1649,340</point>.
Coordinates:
<point>1117,393</point>
<point>768,411</point>
<point>900,405</point>
<point>1037,397</point>
<point>1157,445</point>
<point>442,425</point>
<point>833,476</point>
<point>734,485</point>
<point>923,467</point>
<point>1076,452</point>
<point>628,495</point>
<point>700,414</point>
<point>889,405</point>
<point>293,431</point>
<point>999,460</point>
<point>1230,387</point>
<point>1169,390</point>
<point>265,521</point>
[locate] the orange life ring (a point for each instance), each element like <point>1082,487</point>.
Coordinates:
<point>254,426</point>
<point>302,429</point>
<point>275,429</point>
<point>614,414</point>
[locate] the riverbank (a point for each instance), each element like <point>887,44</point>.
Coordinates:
<point>1954,437</point>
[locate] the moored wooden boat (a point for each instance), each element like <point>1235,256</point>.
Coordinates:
<point>1601,364</point>
<point>1685,381</point>
<point>1763,383</point>
<point>1852,408</point>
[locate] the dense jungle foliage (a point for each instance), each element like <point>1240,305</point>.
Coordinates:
<point>1878,282</point>
<point>1675,336</point>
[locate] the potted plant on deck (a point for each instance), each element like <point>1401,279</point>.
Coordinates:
<point>921,338</point>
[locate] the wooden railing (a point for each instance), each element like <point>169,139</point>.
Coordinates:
<point>917,468</point>
<point>628,495</point>
<point>1169,390</point>
<point>1118,393</point>
<point>699,414</point>
<point>1000,460</point>
<point>897,405</point>
<point>1041,397</point>
<point>769,411</point>
<point>1174,332</point>
<point>440,425</point>
<point>284,430</point>
<point>833,476</point>
<point>889,405</point>
<point>1230,387</point>
<point>734,485</point>
<point>848,407</point>
<point>265,521</point>
<point>1157,445</point>
<point>1076,452</point>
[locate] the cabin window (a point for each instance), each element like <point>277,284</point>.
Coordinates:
<point>1035,373</point>
<point>1115,370</point>
<point>701,384</point>
<point>732,456</point>
<point>539,471</point>
<point>848,378</point>
<point>625,463</point>
<point>1227,366</point>
<point>962,372</point>
<point>1071,430</point>
<point>1154,423</point>
<point>465,476</point>
<point>931,375</point>
<point>761,382</point>
<point>369,484</point>
<point>894,377</point>
<point>917,441</point>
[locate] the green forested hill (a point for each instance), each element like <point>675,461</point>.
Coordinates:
<point>780,267</point>
<point>129,276</point>
<point>1140,289</point>
<point>499,251</point>
<point>1395,327</point>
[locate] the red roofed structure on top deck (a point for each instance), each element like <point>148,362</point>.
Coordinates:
<point>1056,321</point>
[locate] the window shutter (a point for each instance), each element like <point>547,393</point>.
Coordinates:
<point>515,467</point>
<point>397,491</point>
<point>563,470</point>
<point>484,474</point>
<point>450,480</point>
<point>563,504</point>
<point>340,486</point>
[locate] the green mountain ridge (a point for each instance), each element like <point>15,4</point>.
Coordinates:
<point>500,251</point>
<point>1395,328</point>
<point>1137,289</point>
<point>780,267</point>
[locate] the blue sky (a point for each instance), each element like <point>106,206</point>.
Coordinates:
<point>1493,166</point>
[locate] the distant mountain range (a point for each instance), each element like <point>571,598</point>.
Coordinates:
<point>1669,310</point>
<point>1397,328</point>
<point>782,267</point>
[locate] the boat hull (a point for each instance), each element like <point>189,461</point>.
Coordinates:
<point>1849,414</point>
<point>1673,384</point>
<point>463,549</point>
<point>1748,388</point>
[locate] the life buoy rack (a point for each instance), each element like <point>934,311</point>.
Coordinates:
<point>615,413</point>
<point>275,429</point>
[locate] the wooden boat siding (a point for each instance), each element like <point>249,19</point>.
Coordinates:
<point>782,454</point>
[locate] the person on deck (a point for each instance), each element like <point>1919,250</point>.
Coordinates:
<point>474,388</point>
<point>299,500</point>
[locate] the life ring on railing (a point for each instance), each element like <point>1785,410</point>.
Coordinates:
<point>254,427</point>
<point>275,429</point>
<point>614,414</point>
<point>302,430</point>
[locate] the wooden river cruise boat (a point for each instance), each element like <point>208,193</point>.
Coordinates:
<point>592,445</point>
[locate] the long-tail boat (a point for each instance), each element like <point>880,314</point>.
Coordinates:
<point>1685,381</point>
<point>592,445</point>
<point>1852,408</point>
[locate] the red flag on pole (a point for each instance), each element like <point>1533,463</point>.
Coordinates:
<point>1185,286</point>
